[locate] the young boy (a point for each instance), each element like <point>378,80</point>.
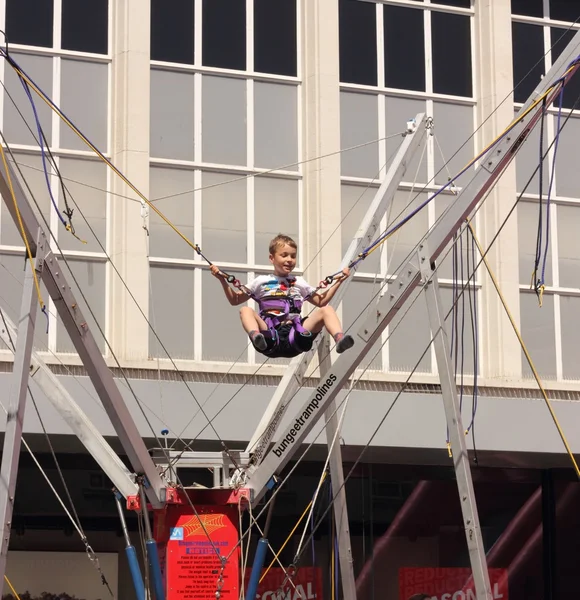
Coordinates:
<point>281,332</point>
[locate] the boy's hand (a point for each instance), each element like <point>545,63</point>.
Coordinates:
<point>215,271</point>
<point>344,275</point>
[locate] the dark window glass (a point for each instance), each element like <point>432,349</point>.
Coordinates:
<point>404,36</point>
<point>564,10</point>
<point>528,53</point>
<point>275,36</point>
<point>451,54</point>
<point>358,42</point>
<point>530,8</point>
<point>85,25</point>
<point>458,3</point>
<point>560,38</point>
<point>224,34</point>
<point>29,22</point>
<point>172,24</point>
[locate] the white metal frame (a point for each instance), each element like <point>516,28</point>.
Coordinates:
<point>430,97</point>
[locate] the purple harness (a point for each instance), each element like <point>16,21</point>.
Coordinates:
<point>277,310</point>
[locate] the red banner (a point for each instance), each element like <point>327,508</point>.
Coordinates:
<point>448,584</point>
<point>307,581</point>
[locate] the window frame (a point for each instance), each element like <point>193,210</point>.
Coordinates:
<point>253,266</point>
<point>57,54</point>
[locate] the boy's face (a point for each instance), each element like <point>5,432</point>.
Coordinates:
<point>284,260</point>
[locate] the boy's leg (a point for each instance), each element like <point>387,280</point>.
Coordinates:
<point>253,324</point>
<point>327,317</point>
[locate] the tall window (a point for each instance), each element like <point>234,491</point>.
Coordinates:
<point>549,331</point>
<point>64,47</point>
<point>395,62</point>
<point>224,109</point>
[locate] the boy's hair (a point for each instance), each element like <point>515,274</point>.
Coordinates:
<point>281,240</point>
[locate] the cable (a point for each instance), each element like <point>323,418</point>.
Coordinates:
<point>11,588</point>
<point>90,552</point>
<point>22,230</point>
<point>525,351</point>
<point>114,356</point>
<point>407,380</point>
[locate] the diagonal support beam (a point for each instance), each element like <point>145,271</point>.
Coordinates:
<point>496,159</point>
<point>294,374</point>
<point>457,438</point>
<point>17,396</point>
<point>75,323</point>
<point>73,415</point>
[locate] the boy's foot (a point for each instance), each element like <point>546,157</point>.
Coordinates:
<point>343,342</point>
<point>258,341</point>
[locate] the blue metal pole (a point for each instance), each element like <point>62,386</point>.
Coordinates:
<point>131,554</point>
<point>155,569</point>
<point>257,569</point>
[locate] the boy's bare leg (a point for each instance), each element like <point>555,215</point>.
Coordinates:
<point>327,317</point>
<point>253,325</point>
<point>251,321</point>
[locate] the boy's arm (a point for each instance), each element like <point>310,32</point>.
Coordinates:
<point>235,297</point>
<point>321,300</point>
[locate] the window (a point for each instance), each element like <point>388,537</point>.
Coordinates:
<point>404,36</point>
<point>530,8</point>
<point>84,25</point>
<point>212,134</point>
<point>451,54</point>
<point>224,34</point>
<point>30,22</point>
<point>58,61</point>
<point>358,47</point>
<point>528,52</point>
<point>172,31</point>
<point>275,37</point>
<point>537,47</point>
<point>401,31</point>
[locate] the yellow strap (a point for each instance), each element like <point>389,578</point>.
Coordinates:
<point>289,535</point>
<point>11,588</point>
<point>21,225</point>
<point>475,159</point>
<point>527,354</point>
<point>106,160</point>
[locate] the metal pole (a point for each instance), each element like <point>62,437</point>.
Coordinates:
<point>80,334</point>
<point>337,479</point>
<point>17,398</point>
<point>457,437</point>
<point>415,137</point>
<point>70,411</point>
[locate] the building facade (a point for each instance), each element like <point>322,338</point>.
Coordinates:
<point>240,119</point>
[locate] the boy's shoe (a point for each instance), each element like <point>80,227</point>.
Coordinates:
<point>344,343</point>
<point>258,341</point>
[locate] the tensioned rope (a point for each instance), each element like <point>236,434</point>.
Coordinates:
<point>405,384</point>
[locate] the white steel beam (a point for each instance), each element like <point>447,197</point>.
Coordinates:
<point>74,416</point>
<point>18,393</point>
<point>291,382</point>
<point>86,346</point>
<point>496,159</point>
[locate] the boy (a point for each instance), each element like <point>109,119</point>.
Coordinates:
<point>279,331</point>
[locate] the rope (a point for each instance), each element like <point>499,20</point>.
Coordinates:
<point>22,231</point>
<point>11,588</point>
<point>122,371</point>
<point>525,351</point>
<point>407,380</point>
